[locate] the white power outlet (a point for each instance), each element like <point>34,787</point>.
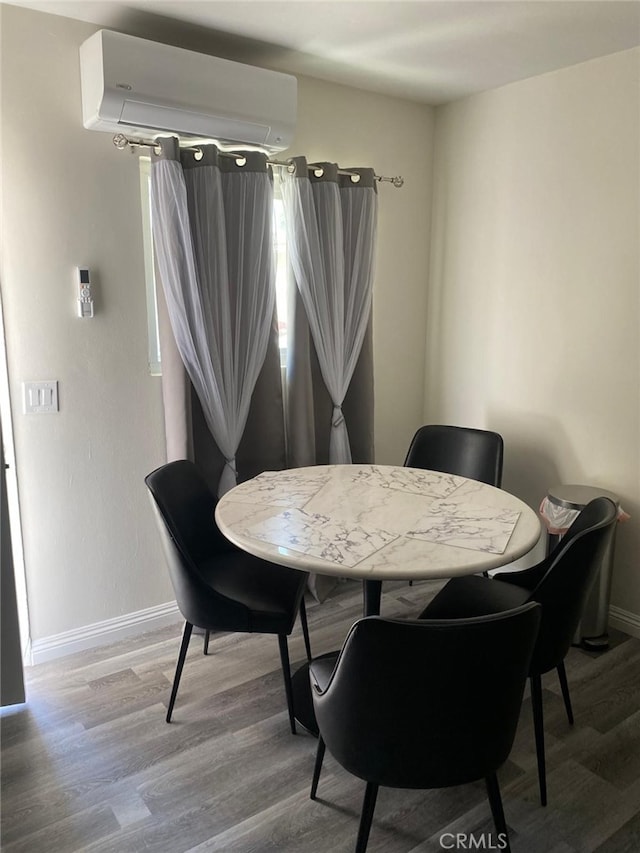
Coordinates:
<point>40,397</point>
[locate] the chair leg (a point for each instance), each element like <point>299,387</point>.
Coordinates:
<point>368,806</point>
<point>564,686</point>
<point>206,642</point>
<point>286,671</point>
<point>305,628</point>
<point>317,768</point>
<point>184,645</point>
<point>495,801</point>
<point>538,725</point>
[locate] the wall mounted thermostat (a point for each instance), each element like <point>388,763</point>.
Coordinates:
<point>85,297</point>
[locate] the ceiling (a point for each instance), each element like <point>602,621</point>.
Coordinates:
<point>427,50</point>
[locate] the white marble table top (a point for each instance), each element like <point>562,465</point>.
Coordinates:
<point>377,522</point>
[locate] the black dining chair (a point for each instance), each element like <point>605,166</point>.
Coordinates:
<point>424,704</point>
<point>560,584</point>
<point>467,452</point>
<point>217,586</point>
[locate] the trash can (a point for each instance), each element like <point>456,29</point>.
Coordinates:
<point>559,509</point>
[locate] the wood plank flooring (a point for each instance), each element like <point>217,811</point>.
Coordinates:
<point>90,766</point>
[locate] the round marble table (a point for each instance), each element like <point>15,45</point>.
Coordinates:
<point>374,523</point>
<point>377,522</point>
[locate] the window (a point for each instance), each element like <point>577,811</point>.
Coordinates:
<point>280,251</point>
<point>280,247</point>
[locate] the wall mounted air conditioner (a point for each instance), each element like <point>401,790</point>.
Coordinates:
<point>134,86</point>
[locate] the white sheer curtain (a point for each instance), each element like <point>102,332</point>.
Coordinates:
<point>331,230</point>
<point>213,238</point>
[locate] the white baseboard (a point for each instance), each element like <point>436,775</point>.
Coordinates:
<point>625,621</point>
<point>102,633</point>
<point>112,630</point>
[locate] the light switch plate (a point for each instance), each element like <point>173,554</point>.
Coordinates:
<point>40,397</point>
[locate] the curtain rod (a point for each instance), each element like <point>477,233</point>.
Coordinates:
<point>121,142</point>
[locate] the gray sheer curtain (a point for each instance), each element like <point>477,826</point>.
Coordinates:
<point>331,232</point>
<point>213,238</point>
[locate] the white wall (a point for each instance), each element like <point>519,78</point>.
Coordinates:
<point>69,197</point>
<point>89,544</point>
<point>534,314</point>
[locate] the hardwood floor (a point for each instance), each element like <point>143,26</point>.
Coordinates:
<point>90,764</point>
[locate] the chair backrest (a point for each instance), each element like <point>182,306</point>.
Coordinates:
<point>467,452</point>
<point>563,588</point>
<point>184,509</point>
<point>428,703</point>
